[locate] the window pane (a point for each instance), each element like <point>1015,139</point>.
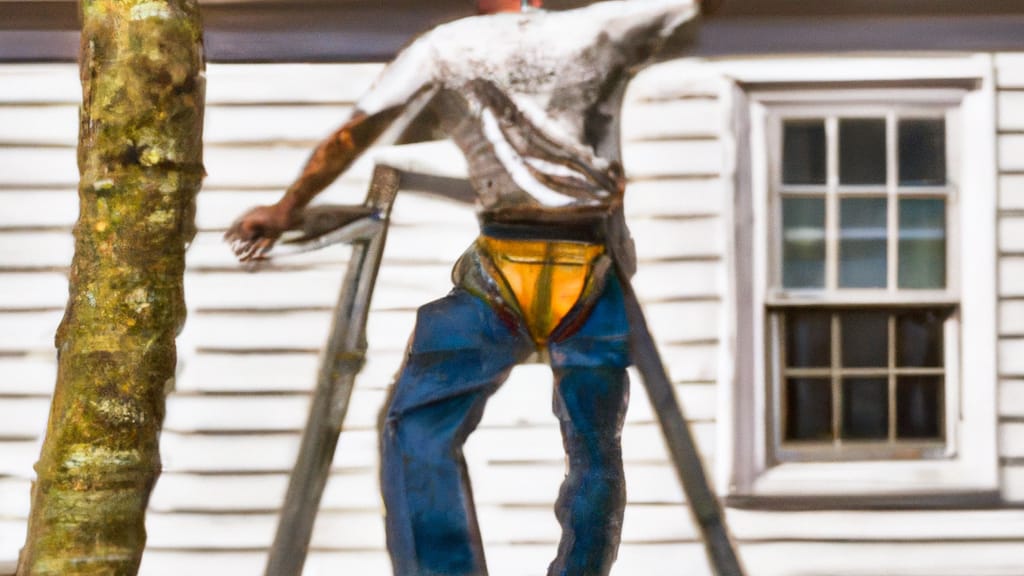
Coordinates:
<point>919,339</point>
<point>919,407</point>
<point>865,341</point>
<point>808,339</point>
<point>803,152</point>
<point>862,151</point>
<point>862,242</point>
<point>865,408</point>
<point>803,242</point>
<point>922,152</point>
<point>922,248</point>
<point>808,409</point>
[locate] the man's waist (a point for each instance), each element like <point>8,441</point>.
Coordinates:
<point>588,229</point>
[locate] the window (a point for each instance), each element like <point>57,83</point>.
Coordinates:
<point>861,368</point>
<point>859,303</point>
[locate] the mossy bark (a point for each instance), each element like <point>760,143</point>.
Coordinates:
<point>140,159</point>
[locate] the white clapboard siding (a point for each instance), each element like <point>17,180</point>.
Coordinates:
<point>669,197</point>
<point>882,557</point>
<point>51,125</point>
<point>22,290</point>
<point>671,120</point>
<point>1010,121</point>
<point>39,167</point>
<point>265,124</point>
<point>1011,398</point>
<point>288,83</point>
<point>29,84</point>
<point>1010,71</point>
<point>248,356</point>
<point>39,208</point>
<point>1011,192</point>
<point>28,374</point>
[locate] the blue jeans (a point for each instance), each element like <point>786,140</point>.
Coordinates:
<point>462,350</point>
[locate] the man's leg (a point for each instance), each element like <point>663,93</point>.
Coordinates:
<point>459,354</point>
<point>591,395</point>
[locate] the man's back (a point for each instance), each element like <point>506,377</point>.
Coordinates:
<point>533,99</point>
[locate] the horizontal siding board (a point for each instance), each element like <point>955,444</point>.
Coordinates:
<point>33,290</point>
<point>900,558</point>
<point>1009,70</point>
<point>288,83</point>
<point>673,119</point>
<point>660,281</point>
<point>1011,152</point>
<point>38,208</point>
<point>15,494</point>
<point>176,562</point>
<point>675,197</point>
<point>661,239</point>
<point>264,290</point>
<point>1011,481</point>
<point>38,167</point>
<point>23,417</point>
<point>672,158</point>
<point>288,330</point>
<point>852,525</point>
<point>678,79</point>
<point>28,375</point>
<point>1011,318</point>
<point>47,125</point>
<point>1011,192</point>
<point>683,321</point>
<point>1011,111</point>
<point>28,331</point>
<point>268,124</point>
<point>691,362</point>
<point>19,456</point>
<point>1011,440</point>
<point>1011,357</point>
<point>1011,276</point>
<point>40,84</point>
<point>1011,398</point>
<point>1011,234</point>
<point>36,249</point>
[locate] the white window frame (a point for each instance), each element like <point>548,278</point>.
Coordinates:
<point>746,472</point>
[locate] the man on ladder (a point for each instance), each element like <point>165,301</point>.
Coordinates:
<point>532,99</point>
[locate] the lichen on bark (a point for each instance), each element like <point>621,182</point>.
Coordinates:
<point>140,160</point>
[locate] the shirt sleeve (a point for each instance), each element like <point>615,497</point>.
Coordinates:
<point>409,73</point>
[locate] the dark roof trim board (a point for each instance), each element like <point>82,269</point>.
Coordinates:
<point>373,30</point>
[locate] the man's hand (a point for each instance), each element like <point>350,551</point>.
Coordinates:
<point>256,231</point>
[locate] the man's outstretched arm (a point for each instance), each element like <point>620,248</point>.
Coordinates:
<point>402,89</point>
<point>254,233</point>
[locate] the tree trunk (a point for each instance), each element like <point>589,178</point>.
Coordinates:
<point>140,159</point>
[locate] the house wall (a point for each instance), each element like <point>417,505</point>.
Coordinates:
<point>248,354</point>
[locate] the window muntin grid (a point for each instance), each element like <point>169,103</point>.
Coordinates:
<point>854,241</point>
<point>856,380</point>
<point>839,236</point>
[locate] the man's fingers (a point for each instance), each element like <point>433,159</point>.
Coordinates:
<point>255,250</point>
<point>263,246</point>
